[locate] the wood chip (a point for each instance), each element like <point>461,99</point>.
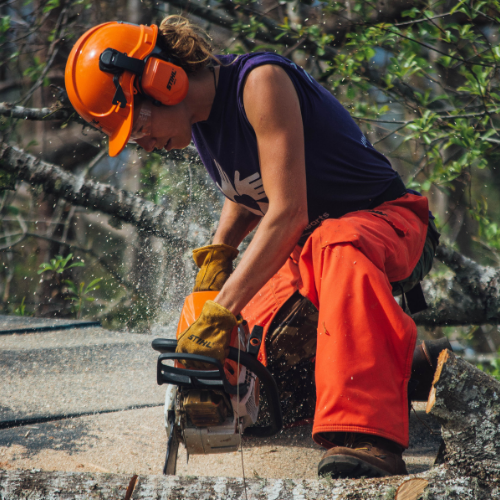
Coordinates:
<point>411,489</point>
<point>131,487</point>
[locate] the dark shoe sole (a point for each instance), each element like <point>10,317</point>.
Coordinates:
<point>347,467</point>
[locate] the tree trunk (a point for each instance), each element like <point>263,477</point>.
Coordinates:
<point>467,403</point>
<point>442,484</point>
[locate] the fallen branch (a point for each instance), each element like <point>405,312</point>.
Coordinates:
<point>43,114</point>
<point>443,484</point>
<point>471,296</point>
<point>125,206</point>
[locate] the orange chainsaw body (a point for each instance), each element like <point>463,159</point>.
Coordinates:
<point>193,304</point>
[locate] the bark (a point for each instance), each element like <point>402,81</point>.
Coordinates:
<point>467,403</point>
<point>471,296</point>
<point>118,203</point>
<point>37,485</point>
<point>43,114</point>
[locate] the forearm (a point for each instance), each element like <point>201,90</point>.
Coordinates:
<point>273,242</point>
<point>235,223</point>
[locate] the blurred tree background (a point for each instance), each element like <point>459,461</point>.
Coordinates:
<point>420,78</point>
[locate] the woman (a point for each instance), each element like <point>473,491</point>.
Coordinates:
<point>335,221</point>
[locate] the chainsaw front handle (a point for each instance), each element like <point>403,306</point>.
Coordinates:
<point>216,379</point>
<point>195,379</point>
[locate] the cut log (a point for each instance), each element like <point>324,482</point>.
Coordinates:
<point>443,484</point>
<point>466,401</point>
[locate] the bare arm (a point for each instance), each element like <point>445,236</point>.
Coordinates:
<point>273,109</point>
<point>235,223</point>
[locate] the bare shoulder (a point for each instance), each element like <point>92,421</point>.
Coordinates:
<point>265,77</point>
<point>267,73</point>
<point>269,91</point>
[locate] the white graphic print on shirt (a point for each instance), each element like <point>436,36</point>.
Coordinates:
<point>248,191</point>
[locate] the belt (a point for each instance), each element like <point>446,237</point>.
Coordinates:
<point>395,190</point>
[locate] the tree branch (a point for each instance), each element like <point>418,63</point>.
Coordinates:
<point>471,297</point>
<point>130,208</point>
<point>42,114</point>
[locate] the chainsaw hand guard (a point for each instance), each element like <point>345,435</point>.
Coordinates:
<point>216,379</point>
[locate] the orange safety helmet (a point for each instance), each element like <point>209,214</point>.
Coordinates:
<point>111,63</point>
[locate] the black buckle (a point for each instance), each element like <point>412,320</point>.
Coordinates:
<point>115,62</point>
<point>119,96</point>
<point>255,340</point>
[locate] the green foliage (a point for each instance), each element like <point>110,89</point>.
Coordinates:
<point>492,368</point>
<point>21,309</point>
<point>34,71</point>
<point>59,264</point>
<point>50,5</point>
<point>80,293</point>
<point>4,27</point>
<point>7,181</point>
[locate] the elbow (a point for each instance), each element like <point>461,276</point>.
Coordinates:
<point>290,220</point>
<point>302,223</point>
<point>300,220</point>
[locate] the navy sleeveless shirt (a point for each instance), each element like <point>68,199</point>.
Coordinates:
<point>344,172</point>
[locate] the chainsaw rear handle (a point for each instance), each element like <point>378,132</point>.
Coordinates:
<point>216,379</point>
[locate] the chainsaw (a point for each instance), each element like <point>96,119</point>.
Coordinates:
<point>210,410</point>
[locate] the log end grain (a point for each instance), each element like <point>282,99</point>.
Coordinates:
<point>443,357</point>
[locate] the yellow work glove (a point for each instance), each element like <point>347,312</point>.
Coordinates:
<point>209,335</point>
<point>216,264</point>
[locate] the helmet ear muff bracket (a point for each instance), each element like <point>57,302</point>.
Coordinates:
<point>116,62</point>
<point>160,79</point>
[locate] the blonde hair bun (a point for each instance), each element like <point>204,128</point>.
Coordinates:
<point>185,42</point>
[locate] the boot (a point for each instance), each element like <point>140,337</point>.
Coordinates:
<point>363,455</point>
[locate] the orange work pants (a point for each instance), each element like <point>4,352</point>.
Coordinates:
<point>365,341</point>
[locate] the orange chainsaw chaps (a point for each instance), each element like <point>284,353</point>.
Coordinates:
<point>193,305</point>
<point>365,341</point>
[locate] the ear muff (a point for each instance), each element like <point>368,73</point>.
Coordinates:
<point>164,81</point>
<point>160,79</point>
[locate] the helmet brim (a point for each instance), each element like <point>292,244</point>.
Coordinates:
<point>118,142</point>
<point>120,138</point>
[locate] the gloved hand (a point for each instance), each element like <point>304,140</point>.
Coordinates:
<point>215,263</point>
<point>209,335</point>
